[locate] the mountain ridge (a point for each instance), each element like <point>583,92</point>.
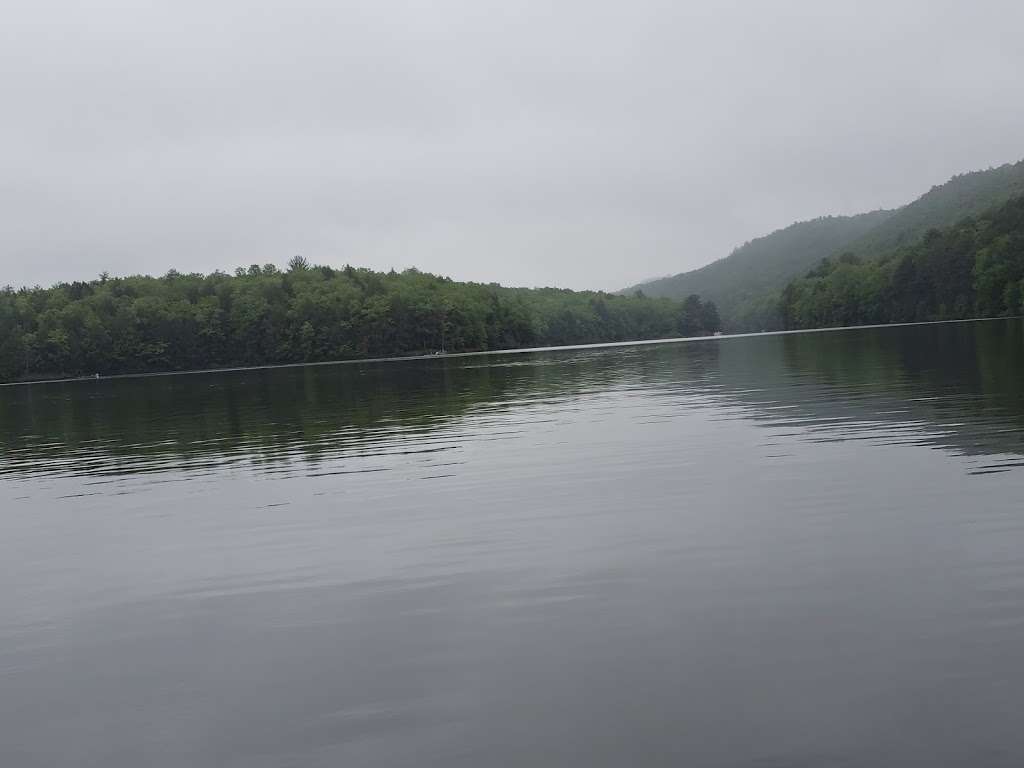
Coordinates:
<point>747,284</point>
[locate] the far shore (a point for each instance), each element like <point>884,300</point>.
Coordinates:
<point>481,353</point>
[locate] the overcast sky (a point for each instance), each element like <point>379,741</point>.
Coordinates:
<point>586,144</point>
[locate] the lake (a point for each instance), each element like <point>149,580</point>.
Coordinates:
<point>768,551</point>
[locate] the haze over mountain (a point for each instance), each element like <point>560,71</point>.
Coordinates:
<point>747,284</point>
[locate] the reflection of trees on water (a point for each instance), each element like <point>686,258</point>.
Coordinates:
<point>271,413</point>
<point>953,386</point>
<point>956,386</point>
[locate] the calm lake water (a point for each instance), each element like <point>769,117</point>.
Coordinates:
<point>774,551</point>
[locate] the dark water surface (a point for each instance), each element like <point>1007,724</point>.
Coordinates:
<point>802,550</point>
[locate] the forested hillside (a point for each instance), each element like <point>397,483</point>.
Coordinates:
<point>747,284</point>
<point>968,194</point>
<point>263,315</point>
<point>972,269</point>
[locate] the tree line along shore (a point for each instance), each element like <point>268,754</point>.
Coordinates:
<point>263,315</point>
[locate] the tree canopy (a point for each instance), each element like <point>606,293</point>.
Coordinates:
<point>264,315</point>
<point>972,269</point>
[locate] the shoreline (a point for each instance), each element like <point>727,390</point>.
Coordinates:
<point>491,352</point>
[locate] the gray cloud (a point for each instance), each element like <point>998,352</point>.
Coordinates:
<point>583,144</point>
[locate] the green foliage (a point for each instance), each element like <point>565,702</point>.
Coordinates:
<point>747,286</point>
<point>262,315</point>
<point>974,268</point>
<point>965,195</point>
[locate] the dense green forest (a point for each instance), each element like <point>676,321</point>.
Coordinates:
<point>747,285</point>
<point>264,315</point>
<point>974,268</point>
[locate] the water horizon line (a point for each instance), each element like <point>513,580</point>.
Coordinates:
<point>493,352</point>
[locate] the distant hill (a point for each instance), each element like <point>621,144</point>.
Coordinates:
<point>746,285</point>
